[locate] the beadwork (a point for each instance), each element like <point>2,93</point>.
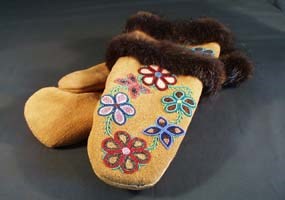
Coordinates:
<point>165,131</point>
<point>125,153</point>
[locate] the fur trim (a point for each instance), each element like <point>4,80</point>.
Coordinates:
<point>151,24</point>
<point>203,30</point>
<point>176,59</point>
<point>195,32</point>
<point>186,32</point>
<point>238,68</point>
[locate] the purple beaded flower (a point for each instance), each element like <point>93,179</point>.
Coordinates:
<point>118,106</point>
<point>165,131</point>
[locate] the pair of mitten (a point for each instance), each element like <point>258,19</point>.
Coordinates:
<point>153,77</point>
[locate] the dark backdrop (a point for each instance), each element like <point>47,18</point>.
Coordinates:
<point>234,148</point>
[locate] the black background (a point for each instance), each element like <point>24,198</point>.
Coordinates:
<point>234,148</point>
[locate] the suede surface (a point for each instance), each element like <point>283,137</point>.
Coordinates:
<point>59,118</point>
<point>88,80</point>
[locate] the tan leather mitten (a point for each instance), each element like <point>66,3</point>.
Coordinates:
<point>89,80</point>
<point>150,97</point>
<point>63,116</point>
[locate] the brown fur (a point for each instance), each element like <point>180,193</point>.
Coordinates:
<point>203,30</point>
<point>176,59</point>
<point>238,68</point>
<point>151,24</point>
<point>198,31</point>
<point>187,32</point>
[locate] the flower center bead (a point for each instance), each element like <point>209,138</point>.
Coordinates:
<point>179,101</point>
<point>126,151</point>
<point>117,105</point>
<point>157,74</point>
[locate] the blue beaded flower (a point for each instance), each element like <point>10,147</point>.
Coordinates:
<point>165,131</point>
<point>203,51</point>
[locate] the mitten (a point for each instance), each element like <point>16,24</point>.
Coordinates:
<point>60,116</point>
<point>150,97</point>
